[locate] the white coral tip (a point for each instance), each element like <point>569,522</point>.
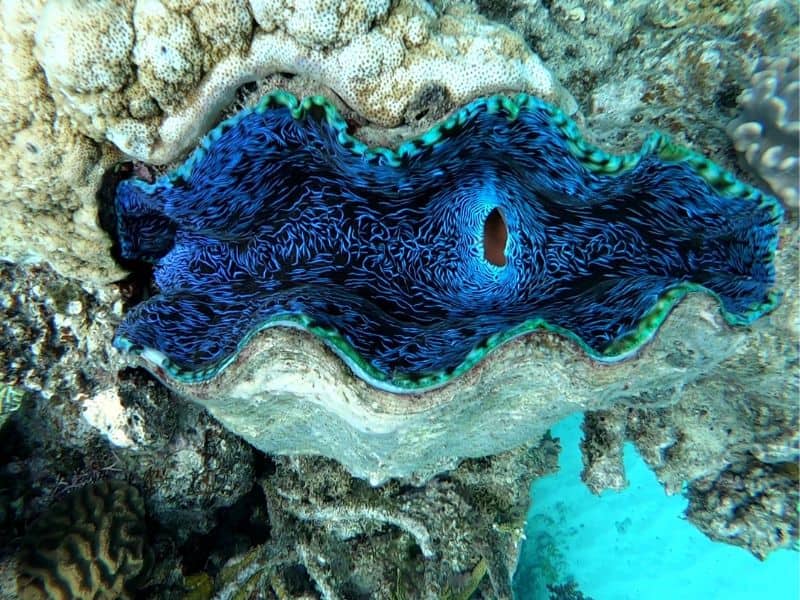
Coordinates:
<point>746,134</point>
<point>789,164</point>
<point>772,157</point>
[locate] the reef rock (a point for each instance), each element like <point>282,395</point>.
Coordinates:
<point>79,418</point>
<point>730,441</point>
<point>457,537</point>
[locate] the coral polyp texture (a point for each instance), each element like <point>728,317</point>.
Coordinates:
<point>412,264</point>
<point>89,545</point>
<point>151,76</point>
<point>767,133</point>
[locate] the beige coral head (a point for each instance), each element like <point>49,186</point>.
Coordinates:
<point>319,24</point>
<point>152,76</point>
<point>85,46</point>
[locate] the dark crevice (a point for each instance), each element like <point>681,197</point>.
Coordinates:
<point>239,527</point>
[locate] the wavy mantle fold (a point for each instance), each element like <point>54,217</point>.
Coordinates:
<point>412,264</point>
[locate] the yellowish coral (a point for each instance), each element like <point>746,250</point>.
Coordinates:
<point>376,55</point>
<point>319,24</point>
<point>50,170</point>
<point>97,45</point>
<point>167,54</point>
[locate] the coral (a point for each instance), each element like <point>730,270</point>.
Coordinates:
<point>752,504</point>
<point>581,38</point>
<point>48,327</point>
<point>91,544</point>
<point>628,64</point>
<point>673,66</point>
<point>455,536</point>
<point>320,25</point>
<point>517,194</point>
<point>10,401</point>
<point>601,448</point>
<point>88,420</point>
<point>151,76</point>
<point>767,132</point>
<point>50,170</point>
<point>189,465</point>
<point>566,591</point>
<point>731,438</point>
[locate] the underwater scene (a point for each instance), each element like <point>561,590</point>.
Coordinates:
<point>400,299</point>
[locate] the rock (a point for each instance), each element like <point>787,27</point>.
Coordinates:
<point>459,534</point>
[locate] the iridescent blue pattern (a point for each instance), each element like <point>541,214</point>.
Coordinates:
<point>282,218</point>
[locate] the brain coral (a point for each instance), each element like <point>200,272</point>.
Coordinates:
<point>151,75</point>
<point>767,132</point>
<point>89,545</point>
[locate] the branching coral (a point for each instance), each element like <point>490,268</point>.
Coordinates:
<point>767,133</point>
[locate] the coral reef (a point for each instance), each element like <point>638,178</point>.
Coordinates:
<point>705,404</point>
<point>767,133</point>
<point>54,333</point>
<point>88,421</point>
<point>518,193</point>
<point>581,38</point>
<point>601,449</point>
<point>456,536</point>
<point>50,170</point>
<point>752,504</point>
<point>91,544</point>
<point>675,66</point>
<point>732,441</point>
<point>156,74</point>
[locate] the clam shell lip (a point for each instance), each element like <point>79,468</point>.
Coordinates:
<point>739,305</point>
<point>160,364</point>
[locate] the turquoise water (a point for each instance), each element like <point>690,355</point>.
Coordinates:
<point>634,544</point>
